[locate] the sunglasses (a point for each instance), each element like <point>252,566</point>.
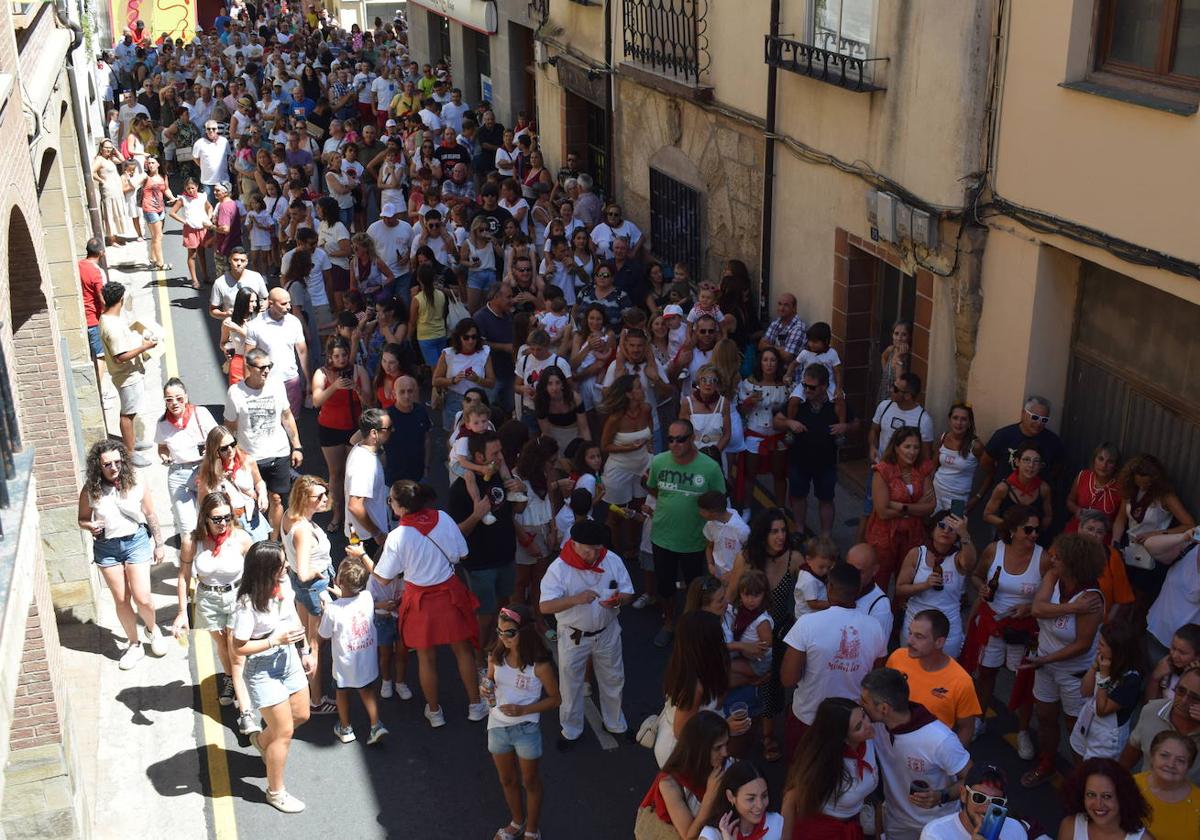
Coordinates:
<point>604,274</point>
<point>1030,529</point>
<point>173,400</point>
<point>320,494</point>
<point>508,634</point>
<point>112,464</point>
<point>807,387</point>
<point>226,447</point>
<point>678,438</point>
<point>706,332</point>
<point>263,368</point>
<point>1037,418</point>
<point>220,520</point>
<point>978,798</point>
<point>945,526</point>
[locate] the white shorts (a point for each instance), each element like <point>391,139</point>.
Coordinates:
<point>999,652</point>
<point>1052,684</point>
<point>131,397</point>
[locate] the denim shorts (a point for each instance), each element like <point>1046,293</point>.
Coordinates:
<point>525,738</point>
<point>492,586</point>
<point>431,348</point>
<point>387,632</point>
<point>481,279</point>
<point>135,548</point>
<point>95,344</point>
<point>152,217</point>
<point>214,610</point>
<point>272,677</point>
<point>308,594</point>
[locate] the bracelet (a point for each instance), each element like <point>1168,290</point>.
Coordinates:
<point>297,449</point>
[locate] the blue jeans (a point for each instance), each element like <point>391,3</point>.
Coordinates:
<point>431,348</point>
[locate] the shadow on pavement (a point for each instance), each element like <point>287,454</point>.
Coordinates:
<point>176,776</point>
<point>155,698</point>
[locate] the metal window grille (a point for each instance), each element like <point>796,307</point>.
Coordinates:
<point>675,222</point>
<point>668,36</point>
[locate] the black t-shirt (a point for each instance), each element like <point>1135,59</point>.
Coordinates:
<point>500,330</point>
<point>450,155</point>
<point>404,452</point>
<point>494,136</point>
<point>815,450</point>
<point>488,546</point>
<point>1004,442</point>
<point>366,154</point>
<point>496,220</point>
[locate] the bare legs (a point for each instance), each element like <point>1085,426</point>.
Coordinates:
<point>427,673</point>
<point>129,584</point>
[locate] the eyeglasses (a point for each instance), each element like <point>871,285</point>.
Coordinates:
<point>613,215</point>
<point>980,798</point>
<point>1184,693</point>
<point>220,520</point>
<point>112,465</point>
<point>386,429</point>
<point>678,438</point>
<point>808,386</point>
<point>508,634</point>
<point>263,368</point>
<point>604,274</point>
<point>1037,418</point>
<point>1030,529</point>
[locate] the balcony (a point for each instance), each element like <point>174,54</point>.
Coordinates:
<point>666,38</point>
<point>845,71</point>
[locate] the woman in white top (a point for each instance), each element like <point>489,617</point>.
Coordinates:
<point>833,773</point>
<point>1178,603</point>
<point>228,469</point>
<point>116,510</point>
<point>740,811</point>
<point>436,608</point>
<point>267,631</point>
<point>181,434</point>
<point>593,346</point>
<point>518,207</point>
<point>626,440</point>
<point>520,669</point>
<point>310,567</point>
<point>340,185</point>
<point>708,412</point>
<point>958,456</point>
<point>466,363</point>
<point>1103,802</point>
<point>932,576</point>
<point>759,399</point>
<point>333,237</point>
<point>215,555</point>
<point>479,255</point>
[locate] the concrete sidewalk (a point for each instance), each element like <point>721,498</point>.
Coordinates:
<point>137,729</point>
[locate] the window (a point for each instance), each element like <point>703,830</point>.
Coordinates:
<point>1153,40</point>
<point>843,26</point>
<point>675,222</point>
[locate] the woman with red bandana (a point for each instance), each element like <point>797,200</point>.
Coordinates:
<point>436,608</point>
<point>180,435</point>
<point>1024,486</point>
<point>740,812</point>
<point>227,468</point>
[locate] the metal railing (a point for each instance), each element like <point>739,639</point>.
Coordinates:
<point>10,435</point>
<point>846,71</point>
<point>676,223</point>
<point>539,11</point>
<point>667,36</point>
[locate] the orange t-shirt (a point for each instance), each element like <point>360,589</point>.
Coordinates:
<point>1114,583</point>
<point>949,693</point>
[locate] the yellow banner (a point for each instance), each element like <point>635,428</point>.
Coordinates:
<point>162,18</point>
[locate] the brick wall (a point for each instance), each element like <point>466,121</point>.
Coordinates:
<point>35,717</point>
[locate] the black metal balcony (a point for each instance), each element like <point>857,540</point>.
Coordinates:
<point>539,10</point>
<point>667,37</point>
<point>845,71</point>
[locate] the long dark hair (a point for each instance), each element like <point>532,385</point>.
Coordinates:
<point>535,459</point>
<point>757,375</point>
<point>327,210</point>
<point>698,658</point>
<point>260,574</point>
<point>531,648</point>
<point>818,772</point>
<point>541,395</point>
<point>299,267</point>
<point>208,504</point>
<point>755,550</point>
<point>735,776</point>
<point>392,349</point>
<point>1132,806</point>
<point>1125,642</point>
<point>691,760</point>
<point>969,435</point>
<point>95,476</point>
<point>427,278</point>
<point>462,328</point>
<point>241,303</point>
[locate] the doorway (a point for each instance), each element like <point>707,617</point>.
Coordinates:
<point>587,132</point>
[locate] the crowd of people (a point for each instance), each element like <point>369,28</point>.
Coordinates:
<point>385,256</point>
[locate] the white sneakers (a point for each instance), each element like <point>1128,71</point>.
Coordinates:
<point>403,691</point>
<point>1025,745</point>
<point>436,719</point>
<point>386,691</point>
<point>478,711</point>
<point>281,800</point>
<point>136,652</point>
<point>133,654</point>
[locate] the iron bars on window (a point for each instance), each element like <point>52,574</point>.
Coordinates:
<point>668,36</point>
<point>846,71</point>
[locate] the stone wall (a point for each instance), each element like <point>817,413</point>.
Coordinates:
<point>711,151</point>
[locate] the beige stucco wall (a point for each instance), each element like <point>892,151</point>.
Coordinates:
<point>735,32</point>
<point>1125,169</point>
<point>582,27</point>
<point>550,117</point>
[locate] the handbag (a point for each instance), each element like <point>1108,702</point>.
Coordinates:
<point>1136,555</point>
<point>647,734</point>
<point>456,310</point>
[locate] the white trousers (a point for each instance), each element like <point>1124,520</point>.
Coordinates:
<point>605,652</point>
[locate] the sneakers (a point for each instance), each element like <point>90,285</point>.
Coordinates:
<point>345,734</point>
<point>225,689</point>
<point>436,719</point>
<point>324,706</point>
<point>281,800</point>
<point>386,690</point>
<point>377,733</point>
<point>477,711</point>
<point>248,724</point>
<point>403,691</point>
<point>641,602</point>
<point>139,460</point>
<point>1025,745</point>
<point>133,654</point>
<point>158,642</point>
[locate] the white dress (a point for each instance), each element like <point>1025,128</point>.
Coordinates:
<point>623,470</point>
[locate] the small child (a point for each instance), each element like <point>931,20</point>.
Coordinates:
<point>677,330</point>
<point>820,555</point>
<point>262,232</point>
<point>578,506</point>
<point>349,624</point>
<point>706,304</point>
<point>132,179</point>
<point>680,294</point>
<point>1113,687</point>
<point>817,351</point>
<point>586,468</point>
<point>387,632</point>
<point>279,167</point>
<point>748,630</point>
<point>476,419</point>
<point>725,531</point>
<point>555,318</point>
<point>1185,651</point>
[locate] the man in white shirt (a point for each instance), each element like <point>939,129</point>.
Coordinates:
<point>366,491</point>
<point>393,237</point>
<point>454,111</point>
<point>872,600</point>
<point>226,287</point>
<point>986,785</point>
<point>529,371</point>
<point>926,763</point>
<point>129,109</point>
<point>829,653</point>
<point>202,107</point>
<point>281,335</point>
<point>584,587</point>
<point>211,153</point>
<point>256,410</point>
<point>430,115</point>
<point>896,413</point>
<point>315,297</point>
<point>613,225</point>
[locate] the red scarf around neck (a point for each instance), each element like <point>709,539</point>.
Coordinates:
<point>1030,489</point>
<point>184,418</point>
<point>234,465</point>
<point>423,520</point>
<point>860,759</point>
<point>571,557</point>
<point>756,833</point>
<point>219,540</point>
<point>743,618</point>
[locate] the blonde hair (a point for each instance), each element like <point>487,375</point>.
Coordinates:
<point>298,498</point>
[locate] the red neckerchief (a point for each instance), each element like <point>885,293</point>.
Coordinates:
<point>860,759</point>
<point>423,520</point>
<point>918,716</point>
<point>757,833</point>
<point>234,465</point>
<point>743,618</point>
<point>219,540</point>
<point>184,418</point>
<point>706,403</point>
<point>571,557</point>
<point>1029,489</point>
<point>1140,504</point>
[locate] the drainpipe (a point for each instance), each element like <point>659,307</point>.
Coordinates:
<point>610,135</point>
<point>77,116</point>
<point>768,211</point>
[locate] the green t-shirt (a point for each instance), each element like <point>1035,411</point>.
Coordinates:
<point>677,525</point>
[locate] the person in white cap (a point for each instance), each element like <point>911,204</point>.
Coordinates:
<point>392,236</point>
<point>585,587</point>
<point>677,328</point>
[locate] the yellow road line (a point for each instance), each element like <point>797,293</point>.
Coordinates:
<point>224,823</point>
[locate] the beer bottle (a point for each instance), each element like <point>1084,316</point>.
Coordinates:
<point>354,538</point>
<point>994,584</point>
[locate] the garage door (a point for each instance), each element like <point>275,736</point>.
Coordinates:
<point>1135,377</point>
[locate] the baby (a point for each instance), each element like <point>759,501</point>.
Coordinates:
<point>820,555</point>
<point>748,630</point>
<point>476,419</point>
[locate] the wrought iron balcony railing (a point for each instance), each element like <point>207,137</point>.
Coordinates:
<point>845,71</point>
<point>539,10</point>
<point>667,36</point>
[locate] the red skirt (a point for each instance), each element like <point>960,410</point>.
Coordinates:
<point>824,827</point>
<point>438,615</point>
<point>237,369</point>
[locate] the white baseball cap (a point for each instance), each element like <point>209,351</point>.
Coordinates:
<point>672,309</point>
<point>389,210</point>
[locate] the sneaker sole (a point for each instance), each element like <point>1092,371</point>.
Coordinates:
<point>376,737</point>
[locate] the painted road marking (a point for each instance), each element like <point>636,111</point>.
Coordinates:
<point>220,789</point>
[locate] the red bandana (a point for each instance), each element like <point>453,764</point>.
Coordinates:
<point>571,557</point>
<point>184,418</point>
<point>423,520</point>
<point>860,759</point>
<point>743,618</point>
<point>234,465</point>
<point>219,539</point>
<point>1029,489</point>
<point>757,833</point>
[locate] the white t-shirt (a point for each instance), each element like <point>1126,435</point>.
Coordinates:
<point>391,243</point>
<point>841,647</point>
<point>828,360</point>
<point>314,283</point>
<point>384,90</point>
<point>727,539</point>
<point>350,625</point>
<point>213,158</point>
<point>950,827</point>
<point>562,580</point>
<point>410,553</point>
<point>890,417</point>
<point>183,444</point>
<point>249,623</point>
<point>847,803</point>
<point>225,289</point>
<point>603,235</point>
<point>452,115</point>
<point>364,477</point>
<point>774,829</point>
<point>279,339</point>
<point>529,369</point>
<point>931,753</point>
<point>260,430</point>
<point>809,587</point>
<point>876,604</point>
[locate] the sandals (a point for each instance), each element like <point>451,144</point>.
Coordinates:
<point>771,751</point>
<point>512,831</point>
<point>1038,776</point>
